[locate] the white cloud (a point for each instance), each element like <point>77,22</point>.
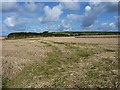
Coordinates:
<point>108,26</point>
<point>112,24</point>
<point>8,6</point>
<point>71,5</point>
<point>31,6</point>
<point>87,8</point>
<point>75,17</point>
<point>11,0</point>
<point>51,27</point>
<point>51,14</point>
<point>16,23</point>
<point>40,19</point>
<point>104,24</point>
<point>98,8</point>
<point>9,21</point>
<point>95,1</point>
<point>65,25</point>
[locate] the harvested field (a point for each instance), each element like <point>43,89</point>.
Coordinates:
<point>98,36</point>
<point>60,62</point>
<point>2,38</point>
<point>84,40</point>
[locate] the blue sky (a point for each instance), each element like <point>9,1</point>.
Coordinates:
<point>59,16</point>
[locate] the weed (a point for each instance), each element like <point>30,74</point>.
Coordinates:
<point>109,50</point>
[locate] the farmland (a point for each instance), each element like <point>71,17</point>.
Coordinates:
<point>60,62</point>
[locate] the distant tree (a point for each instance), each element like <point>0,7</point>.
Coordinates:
<point>45,32</point>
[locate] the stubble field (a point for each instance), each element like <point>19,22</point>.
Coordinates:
<point>60,62</point>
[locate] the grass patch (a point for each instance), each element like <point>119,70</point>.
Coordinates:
<point>85,52</point>
<point>46,43</point>
<point>109,50</point>
<point>58,43</point>
<point>59,82</point>
<point>100,74</point>
<point>81,44</point>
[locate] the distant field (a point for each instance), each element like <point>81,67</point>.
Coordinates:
<point>2,38</point>
<point>98,36</point>
<point>107,40</point>
<point>60,62</point>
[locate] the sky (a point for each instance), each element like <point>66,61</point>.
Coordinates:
<point>59,16</point>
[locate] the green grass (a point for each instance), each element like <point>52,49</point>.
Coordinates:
<point>109,50</point>
<point>81,44</point>
<point>58,42</point>
<point>45,43</point>
<point>58,83</point>
<point>85,52</point>
<point>101,75</point>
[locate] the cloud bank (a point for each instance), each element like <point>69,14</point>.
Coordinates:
<point>58,17</point>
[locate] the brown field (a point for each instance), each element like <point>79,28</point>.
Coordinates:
<point>60,62</point>
<point>2,38</point>
<point>98,36</point>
